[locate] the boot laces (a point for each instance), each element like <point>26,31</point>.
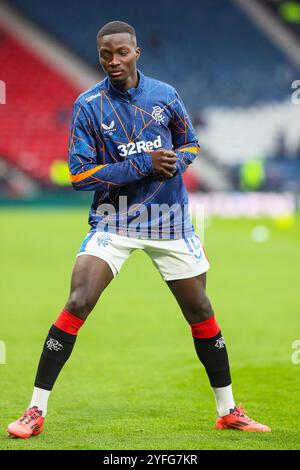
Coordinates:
<point>241,412</point>
<point>30,415</point>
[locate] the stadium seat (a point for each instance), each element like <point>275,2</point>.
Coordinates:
<point>214,54</point>
<point>35,120</point>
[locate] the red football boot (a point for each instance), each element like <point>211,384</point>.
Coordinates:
<point>30,424</point>
<point>238,420</point>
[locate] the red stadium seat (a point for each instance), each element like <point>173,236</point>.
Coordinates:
<point>35,120</point>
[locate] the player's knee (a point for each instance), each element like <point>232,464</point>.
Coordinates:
<point>200,310</point>
<point>79,305</point>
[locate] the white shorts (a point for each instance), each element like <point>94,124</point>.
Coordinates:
<point>175,259</point>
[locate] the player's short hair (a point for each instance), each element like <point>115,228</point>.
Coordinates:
<point>114,27</point>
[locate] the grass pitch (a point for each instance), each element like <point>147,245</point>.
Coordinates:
<point>133,380</point>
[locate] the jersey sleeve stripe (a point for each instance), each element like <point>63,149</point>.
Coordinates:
<point>86,174</point>
<point>189,149</point>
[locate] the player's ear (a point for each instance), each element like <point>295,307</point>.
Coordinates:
<point>99,56</point>
<point>138,53</point>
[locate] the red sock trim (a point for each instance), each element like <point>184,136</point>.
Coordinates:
<point>67,322</point>
<point>205,329</point>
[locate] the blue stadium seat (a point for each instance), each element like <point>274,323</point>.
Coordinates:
<point>209,50</point>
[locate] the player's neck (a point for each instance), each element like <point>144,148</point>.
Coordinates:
<point>131,82</point>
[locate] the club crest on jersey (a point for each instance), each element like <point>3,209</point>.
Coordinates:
<point>157,115</point>
<point>220,343</point>
<point>108,129</point>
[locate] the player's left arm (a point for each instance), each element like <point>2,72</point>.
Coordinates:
<point>184,137</point>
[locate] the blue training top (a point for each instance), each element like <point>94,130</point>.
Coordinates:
<point>112,135</point>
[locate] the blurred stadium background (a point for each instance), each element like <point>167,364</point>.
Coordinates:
<point>235,63</point>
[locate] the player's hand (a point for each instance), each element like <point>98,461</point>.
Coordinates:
<point>164,162</point>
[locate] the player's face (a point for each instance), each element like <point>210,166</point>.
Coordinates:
<point>118,54</point>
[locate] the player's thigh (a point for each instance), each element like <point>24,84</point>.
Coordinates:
<point>91,275</point>
<point>192,298</point>
<point>188,291</point>
<point>183,265</point>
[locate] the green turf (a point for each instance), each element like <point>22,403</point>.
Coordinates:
<point>133,381</point>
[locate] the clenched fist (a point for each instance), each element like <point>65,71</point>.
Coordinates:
<point>164,162</point>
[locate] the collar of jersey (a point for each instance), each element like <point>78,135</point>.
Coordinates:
<point>132,92</point>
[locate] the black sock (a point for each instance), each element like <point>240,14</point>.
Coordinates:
<point>57,350</point>
<point>212,353</point>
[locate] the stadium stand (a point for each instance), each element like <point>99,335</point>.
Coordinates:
<point>226,69</point>
<point>209,49</point>
<point>35,120</point>
<point>288,11</point>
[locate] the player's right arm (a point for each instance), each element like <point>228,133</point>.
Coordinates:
<point>84,151</point>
